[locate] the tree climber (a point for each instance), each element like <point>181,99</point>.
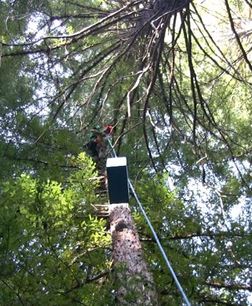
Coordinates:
<point>97,147</point>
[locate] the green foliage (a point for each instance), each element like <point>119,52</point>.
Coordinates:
<point>190,116</point>
<point>50,246</point>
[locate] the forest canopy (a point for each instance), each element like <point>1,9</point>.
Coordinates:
<point>174,79</point>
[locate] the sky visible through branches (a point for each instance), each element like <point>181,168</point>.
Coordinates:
<point>173,78</point>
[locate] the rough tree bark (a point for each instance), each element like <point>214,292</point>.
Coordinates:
<point>134,283</point>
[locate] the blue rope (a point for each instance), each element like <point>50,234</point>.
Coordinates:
<point>154,235</point>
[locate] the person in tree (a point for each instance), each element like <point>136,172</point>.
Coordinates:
<point>97,146</point>
<point>108,130</point>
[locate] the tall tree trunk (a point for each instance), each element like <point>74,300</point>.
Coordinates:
<point>134,283</point>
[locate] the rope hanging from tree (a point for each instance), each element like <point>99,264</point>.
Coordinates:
<point>97,147</point>
<point>162,251</point>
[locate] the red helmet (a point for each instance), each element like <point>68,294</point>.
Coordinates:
<point>108,130</point>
